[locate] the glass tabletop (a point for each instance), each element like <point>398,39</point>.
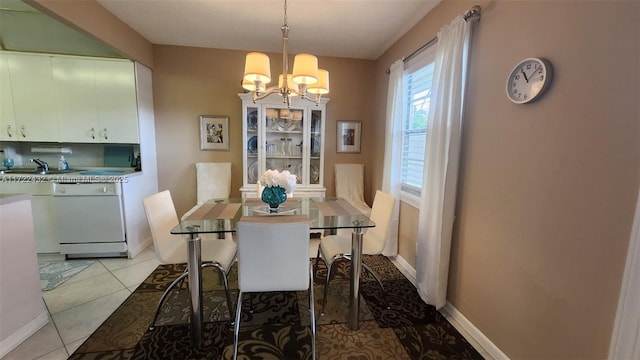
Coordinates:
<point>222,215</point>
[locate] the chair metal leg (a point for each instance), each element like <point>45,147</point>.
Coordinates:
<point>180,279</point>
<point>313,315</point>
<point>225,281</point>
<point>315,268</point>
<point>375,276</point>
<point>326,286</point>
<point>236,330</point>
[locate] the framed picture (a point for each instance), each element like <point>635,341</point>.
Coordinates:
<point>214,132</point>
<point>348,136</point>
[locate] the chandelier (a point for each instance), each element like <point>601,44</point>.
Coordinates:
<point>306,80</point>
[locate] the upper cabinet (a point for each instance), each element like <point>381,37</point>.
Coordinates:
<point>117,104</point>
<point>280,138</point>
<point>70,99</point>
<point>76,99</point>
<point>7,117</point>
<point>33,95</point>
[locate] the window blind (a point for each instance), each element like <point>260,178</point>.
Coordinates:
<point>418,78</point>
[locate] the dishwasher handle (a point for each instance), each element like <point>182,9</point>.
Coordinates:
<point>86,189</point>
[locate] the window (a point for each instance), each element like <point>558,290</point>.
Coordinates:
<point>418,77</point>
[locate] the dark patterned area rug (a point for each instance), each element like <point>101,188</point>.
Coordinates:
<point>278,325</point>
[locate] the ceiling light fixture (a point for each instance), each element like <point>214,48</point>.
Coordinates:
<point>305,79</point>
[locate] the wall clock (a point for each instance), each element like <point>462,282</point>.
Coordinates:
<point>529,80</point>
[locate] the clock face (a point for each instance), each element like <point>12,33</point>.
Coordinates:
<point>529,80</point>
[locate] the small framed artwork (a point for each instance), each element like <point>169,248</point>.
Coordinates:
<point>348,136</point>
<point>214,132</point>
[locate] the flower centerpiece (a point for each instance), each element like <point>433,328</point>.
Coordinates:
<point>276,186</point>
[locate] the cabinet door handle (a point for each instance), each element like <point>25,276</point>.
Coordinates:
<point>23,131</point>
<point>9,131</point>
<point>93,133</point>
<point>104,134</point>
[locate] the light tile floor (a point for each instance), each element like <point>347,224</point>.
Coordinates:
<point>78,306</point>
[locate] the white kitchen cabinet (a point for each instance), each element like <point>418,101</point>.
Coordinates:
<point>33,93</point>
<point>58,98</point>
<point>96,100</point>
<point>281,138</point>
<point>117,104</point>
<point>7,117</point>
<point>74,80</point>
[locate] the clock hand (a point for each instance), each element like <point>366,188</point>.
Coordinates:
<point>525,75</point>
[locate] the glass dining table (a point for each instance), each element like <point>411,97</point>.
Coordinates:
<point>221,216</point>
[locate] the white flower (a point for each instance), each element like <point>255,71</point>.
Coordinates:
<point>285,180</point>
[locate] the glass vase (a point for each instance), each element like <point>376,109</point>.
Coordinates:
<point>274,196</point>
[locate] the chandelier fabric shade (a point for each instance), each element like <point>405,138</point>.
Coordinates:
<point>305,79</point>
<point>305,69</point>
<point>257,68</point>
<point>322,86</point>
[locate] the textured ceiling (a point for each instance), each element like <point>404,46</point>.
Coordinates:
<point>361,29</point>
<point>344,28</point>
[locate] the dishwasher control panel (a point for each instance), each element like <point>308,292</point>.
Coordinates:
<point>84,189</point>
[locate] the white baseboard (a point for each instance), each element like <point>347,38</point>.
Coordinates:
<point>135,250</point>
<point>30,328</point>
<point>470,332</point>
<point>405,268</point>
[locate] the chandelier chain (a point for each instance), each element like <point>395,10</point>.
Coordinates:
<point>285,12</point>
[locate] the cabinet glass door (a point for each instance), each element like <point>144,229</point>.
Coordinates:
<point>253,174</point>
<point>284,140</point>
<point>315,149</point>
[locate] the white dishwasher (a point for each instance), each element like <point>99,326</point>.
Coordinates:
<point>90,219</point>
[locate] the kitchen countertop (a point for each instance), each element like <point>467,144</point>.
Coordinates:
<point>11,198</point>
<point>86,174</point>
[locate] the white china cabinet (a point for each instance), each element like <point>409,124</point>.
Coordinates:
<point>280,138</point>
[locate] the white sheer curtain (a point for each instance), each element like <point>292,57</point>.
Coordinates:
<point>441,160</point>
<point>625,340</point>
<point>392,149</point>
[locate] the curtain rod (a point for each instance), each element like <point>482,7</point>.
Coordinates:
<point>472,14</point>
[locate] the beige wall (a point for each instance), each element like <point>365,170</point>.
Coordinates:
<point>189,82</point>
<point>547,190</point>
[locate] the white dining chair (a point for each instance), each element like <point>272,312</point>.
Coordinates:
<point>172,249</point>
<point>213,181</point>
<point>334,247</point>
<point>349,182</point>
<point>273,255</point>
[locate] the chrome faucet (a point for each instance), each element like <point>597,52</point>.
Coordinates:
<point>43,167</point>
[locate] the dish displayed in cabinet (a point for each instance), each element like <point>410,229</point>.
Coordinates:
<point>285,124</point>
<point>252,172</point>
<point>315,173</point>
<point>252,145</point>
